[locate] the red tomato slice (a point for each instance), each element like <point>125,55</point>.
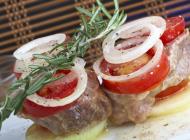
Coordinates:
<point>174,27</point>
<point>125,68</point>
<point>171,90</point>
<point>18,75</point>
<point>58,89</point>
<point>38,111</point>
<point>55,90</point>
<point>138,84</point>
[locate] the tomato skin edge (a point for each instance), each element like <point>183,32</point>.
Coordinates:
<point>17,75</point>
<point>143,83</point>
<point>171,90</point>
<point>54,90</point>
<point>175,27</point>
<point>37,111</point>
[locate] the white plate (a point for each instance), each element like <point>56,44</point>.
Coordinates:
<point>174,127</point>
<point>14,128</point>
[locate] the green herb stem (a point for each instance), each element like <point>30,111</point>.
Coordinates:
<point>93,27</point>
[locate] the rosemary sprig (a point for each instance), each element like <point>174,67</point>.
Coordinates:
<point>93,27</point>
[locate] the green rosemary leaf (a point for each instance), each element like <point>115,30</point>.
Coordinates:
<point>84,11</point>
<point>58,46</point>
<point>84,23</point>
<point>84,33</point>
<point>19,101</point>
<point>93,9</point>
<point>103,9</point>
<point>12,104</point>
<point>58,60</point>
<point>38,84</point>
<point>41,56</point>
<point>37,68</point>
<point>65,66</point>
<point>113,19</point>
<point>53,79</point>
<point>16,85</point>
<point>121,16</point>
<point>116,5</point>
<point>5,111</point>
<point>95,15</point>
<point>93,27</point>
<point>123,19</point>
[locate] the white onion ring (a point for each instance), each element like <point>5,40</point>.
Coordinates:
<point>152,63</point>
<point>39,46</point>
<point>79,90</point>
<point>131,41</point>
<point>19,67</point>
<point>136,96</point>
<point>158,21</point>
<point>115,56</point>
<point>25,53</point>
<point>22,66</point>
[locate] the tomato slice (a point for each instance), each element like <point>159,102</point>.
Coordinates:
<point>174,27</point>
<point>18,75</point>
<point>171,90</point>
<point>125,68</point>
<point>140,84</point>
<point>55,90</point>
<point>58,89</point>
<point>37,111</point>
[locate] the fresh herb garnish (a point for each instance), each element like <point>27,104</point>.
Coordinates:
<point>96,24</point>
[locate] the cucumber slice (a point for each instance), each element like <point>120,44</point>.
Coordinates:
<point>36,132</point>
<point>173,104</point>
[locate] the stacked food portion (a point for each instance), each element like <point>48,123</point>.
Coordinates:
<point>143,73</point>
<point>145,62</point>
<point>70,105</point>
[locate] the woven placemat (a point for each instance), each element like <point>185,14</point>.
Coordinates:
<point>24,20</point>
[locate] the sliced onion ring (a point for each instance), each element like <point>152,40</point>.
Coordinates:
<point>152,63</point>
<point>25,53</point>
<point>157,21</point>
<point>79,90</point>
<point>22,66</point>
<point>39,46</point>
<point>115,56</point>
<point>137,96</point>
